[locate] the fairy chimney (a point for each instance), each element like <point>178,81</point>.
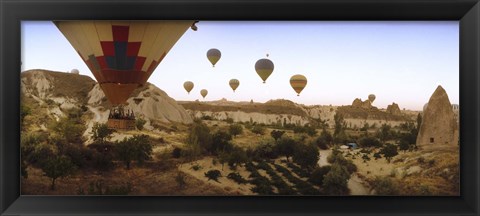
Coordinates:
<point>439,126</point>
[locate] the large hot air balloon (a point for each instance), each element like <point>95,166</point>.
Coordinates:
<point>203,92</point>
<point>234,83</point>
<point>188,86</point>
<point>298,83</point>
<point>264,68</point>
<point>122,54</point>
<point>213,56</point>
<point>371,98</point>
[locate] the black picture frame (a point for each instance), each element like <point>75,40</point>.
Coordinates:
<point>12,12</point>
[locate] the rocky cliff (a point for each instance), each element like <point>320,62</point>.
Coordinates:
<point>439,126</point>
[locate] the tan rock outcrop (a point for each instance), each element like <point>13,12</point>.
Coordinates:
<point>439,126</point>
<point>394,109</point>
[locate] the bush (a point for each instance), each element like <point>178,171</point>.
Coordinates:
<point>385,186</point>
<point>305,129</point>
<point>324,140</point>
<point>136,148</point>
<point>180,179</point>
<point>276,134</point>
<point>389,151</point>
<point>177,152</point>
<point>335,181</point>
<point>366,142</point>
<point>265,150</point>
<point>286,146</point>
<point>235,129</point>
<point>318,175</point>
<point>258,129</point>
<point>213,175</point>
<point>139,123</point>
<point>57,167</point>
<point>199,137</point>
<point>306,156</point>
<point>220,142</point>
<point>235,176</point>
<point>196,167</point>
<point>229,120</point>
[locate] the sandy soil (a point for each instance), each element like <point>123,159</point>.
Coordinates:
<point>223,182</point>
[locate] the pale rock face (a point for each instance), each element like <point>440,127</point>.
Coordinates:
<point>439,126</point>
<point>394,109</point>
<point>155,104</point>
<point>358,103</point>
<point>239,116</point>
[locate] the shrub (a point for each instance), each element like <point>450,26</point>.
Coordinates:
<point>369,142</point>
<point>235,129</point>
<point>213,175</point>
<point>177,152</point>
<point>220,142</point>
<point>139,123</point>
<point>335,181</point>
<point>196,167</point>
<point>306,156</point>
<point>229,120</point>
<point>276,134</point>
<point>286,146</point>
<point>180,179</point>
<point>235,176</point>
<point>136,148</point>
<point>199,135</point>
<point>57,167</point>
<point>384,186</point>
<point>318,175</point>
<point>258,129</point>
<point>389,151</point>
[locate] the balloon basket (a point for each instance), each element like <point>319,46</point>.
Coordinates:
<point>121,124</point>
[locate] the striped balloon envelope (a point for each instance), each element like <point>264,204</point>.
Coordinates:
<point>213,56</point>
<point>122,54</point>
<point>264,68</point>
<point>203,92</point>
<point>298,83</point>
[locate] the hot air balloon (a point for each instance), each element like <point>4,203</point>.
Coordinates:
<point>371,98</point>
<point>264,68</point>
<point>213,56</point>
<point>122,54</point>
<point>203,92</point>
<point>188,86</point>
<point>298,83</point>
<point>234,83</point>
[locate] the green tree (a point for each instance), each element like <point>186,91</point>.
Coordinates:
<point>366,142</point>
<point>385,186</point>
<point>324,140</point>
<point>306,156</point>
<point>286,146</point>
<point>318,175</point>
<point>276,134</point>
<point>221,142</point>
<point>404,145</point>
<point>140,123</point>
<point>199,134</point>
<point>70,129</point>
<point>384,133</point>
<point>335,181</point>
<point>57,167</point>
<point>258,129</point>
<point>236,157</point>
<point>101,133</point>
<point>235,129</point>
<point>136,148</point>
<point>389,151</point>
<point>24,111</point>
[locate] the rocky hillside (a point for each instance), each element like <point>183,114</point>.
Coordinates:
<point>51,93</point>
<point>282,111</point>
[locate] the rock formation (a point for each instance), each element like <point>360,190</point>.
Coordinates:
<point>394,109</point>
<point>358,103</point>
<point>439,126</point>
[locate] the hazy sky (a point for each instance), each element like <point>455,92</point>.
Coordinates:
<point>400,62</point>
